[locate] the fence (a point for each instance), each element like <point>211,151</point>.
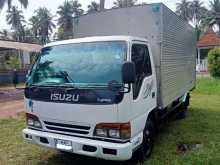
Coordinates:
<point>6,76</point>
<point>203,66</point>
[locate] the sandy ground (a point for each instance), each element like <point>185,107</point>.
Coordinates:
<point>11,102</point>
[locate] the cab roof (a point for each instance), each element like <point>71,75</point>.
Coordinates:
<point>96,39</point>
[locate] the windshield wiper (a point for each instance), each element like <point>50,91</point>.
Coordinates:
<point>67,77</point>
<point>95,85</point>
<point>49,85</point>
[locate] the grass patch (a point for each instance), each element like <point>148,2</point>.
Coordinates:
<point>208,86</point>
<point>201,126</point>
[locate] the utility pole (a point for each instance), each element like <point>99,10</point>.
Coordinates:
<point>102,5</point>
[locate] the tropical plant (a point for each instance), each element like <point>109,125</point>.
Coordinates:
<point>93,7</point>
<point>43,25</point>
<point>198,12</point>
<point>124,3</point>
<point>214,62</point>
<point>33,22</point>
<point>65,20</point>
<point>77,8</point>
<point>15,18</point>
<point>29,37</point>
<point>4,34</point>
<point>183,10</point>
<point>24,3</point>
<point>214,15</point>
<point>13,62</point>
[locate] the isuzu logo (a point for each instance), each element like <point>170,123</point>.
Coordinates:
<point>64,97</point>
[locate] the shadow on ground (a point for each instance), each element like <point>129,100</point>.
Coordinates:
<point>71,159</point>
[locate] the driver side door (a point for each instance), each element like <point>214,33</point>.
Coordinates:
<point>144,88</point>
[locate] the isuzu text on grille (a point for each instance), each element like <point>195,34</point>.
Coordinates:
<point>64,97</point>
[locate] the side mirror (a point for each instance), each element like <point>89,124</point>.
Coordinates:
<point>128,73</point>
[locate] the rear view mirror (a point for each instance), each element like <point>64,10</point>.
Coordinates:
<point>128,73</point>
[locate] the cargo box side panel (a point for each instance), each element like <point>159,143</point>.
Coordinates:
<point>178,58</point>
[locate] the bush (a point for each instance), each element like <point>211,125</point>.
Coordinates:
<point>13,62</point>
<point>214,62</point>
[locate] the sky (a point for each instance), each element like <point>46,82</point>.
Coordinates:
<point>52,5</point>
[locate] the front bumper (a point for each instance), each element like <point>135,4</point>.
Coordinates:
<point>121,151</point>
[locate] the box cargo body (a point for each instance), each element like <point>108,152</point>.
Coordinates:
<point>172,42</point>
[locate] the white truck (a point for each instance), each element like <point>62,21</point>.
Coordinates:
<point>105,93</point>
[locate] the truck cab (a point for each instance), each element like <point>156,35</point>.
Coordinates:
<point>92,96</point>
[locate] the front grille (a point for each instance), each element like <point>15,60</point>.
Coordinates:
<point>67,128</point>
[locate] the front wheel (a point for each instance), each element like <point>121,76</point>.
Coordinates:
<point>148,138</point>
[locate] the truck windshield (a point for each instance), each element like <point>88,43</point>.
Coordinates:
<point>81,64</point>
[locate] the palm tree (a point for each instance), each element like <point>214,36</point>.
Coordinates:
<point>214,15</point>
<point>77,8</point>
<point>198,12</point>
<point>15,18</point>
<point>183,10</point>
<point>24,3</point>
<point>44,24</point>
<point>124,3</point>
<point>33,22</point>
<point>93,7</point>
<point>215,5</point>
<point>65,20</point>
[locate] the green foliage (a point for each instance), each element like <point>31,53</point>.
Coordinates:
<point>42,24</point>
<point>13,62</point>
<point>65,20</point>
<point>124,3</point>
<point>24,3</point>
<point>15,18</point>
<point>214,62</point>
<point>93,7</point>
<point>208,86</point>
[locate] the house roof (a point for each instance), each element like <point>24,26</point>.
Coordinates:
<point>20,46</point>
<point>209,39</point>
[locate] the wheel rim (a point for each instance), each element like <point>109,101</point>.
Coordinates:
<point>148,143</point>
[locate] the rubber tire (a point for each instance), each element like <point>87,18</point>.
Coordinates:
<point>148,138</point>
<point>182,111</point>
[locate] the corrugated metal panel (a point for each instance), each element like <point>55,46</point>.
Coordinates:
<point>177,58</point>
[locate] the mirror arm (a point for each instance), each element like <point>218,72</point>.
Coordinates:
<point>129,89</point>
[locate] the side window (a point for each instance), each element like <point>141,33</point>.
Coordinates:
<point>140,57</point>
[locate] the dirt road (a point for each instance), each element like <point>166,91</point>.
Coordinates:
<point>11,102</point>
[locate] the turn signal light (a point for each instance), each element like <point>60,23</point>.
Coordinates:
<point>113,130</point>
<point>33,121</point>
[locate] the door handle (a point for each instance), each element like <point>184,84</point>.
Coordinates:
<point>153,94</point>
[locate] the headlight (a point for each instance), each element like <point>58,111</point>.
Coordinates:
<point>113,130</point>
<point>114,133</point>
<point>37,124</point>
<point>101,132</point>
<point>33,121</point>
<point>30,122</point>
